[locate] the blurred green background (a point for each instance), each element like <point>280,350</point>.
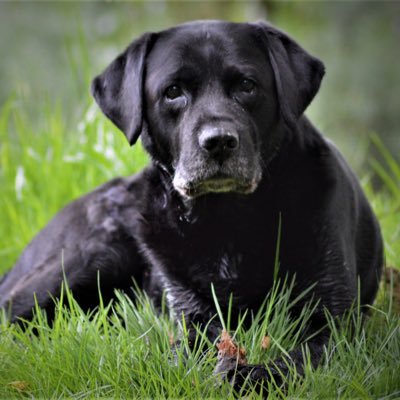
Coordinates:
<point>50,51</point>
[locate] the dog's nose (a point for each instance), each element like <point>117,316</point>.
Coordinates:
<point>218,142</point>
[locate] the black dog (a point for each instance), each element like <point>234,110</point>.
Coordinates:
<point>219,107</point>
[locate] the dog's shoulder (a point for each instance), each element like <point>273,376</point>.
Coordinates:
<point>314,172</point>
<point>318,154</point>
<point>324,179</point>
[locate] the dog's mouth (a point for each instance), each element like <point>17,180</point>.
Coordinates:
<point>198,177</point>
<point>216,184</point>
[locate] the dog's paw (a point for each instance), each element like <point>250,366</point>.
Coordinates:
<point>245,378</point>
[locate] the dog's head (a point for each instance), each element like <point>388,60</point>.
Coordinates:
<point>207,98</point>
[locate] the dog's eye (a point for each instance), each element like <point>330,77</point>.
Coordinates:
<point>247,85</point>
<point>173,92</point>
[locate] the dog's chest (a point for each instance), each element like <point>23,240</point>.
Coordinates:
<point>227,266</point>
<point>230,267</point>
<point>232,252</point>
<point>237,272</point>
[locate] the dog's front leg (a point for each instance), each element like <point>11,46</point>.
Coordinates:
<point>292,364</point>
<point>277,371</point>
<point>191,312</point>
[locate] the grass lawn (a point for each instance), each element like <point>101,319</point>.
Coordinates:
<point>123,350</point>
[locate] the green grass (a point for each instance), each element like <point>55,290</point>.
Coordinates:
<point>123,350</point>
<point>51,164</point>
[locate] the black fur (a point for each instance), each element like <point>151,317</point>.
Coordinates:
<point>219,107</point>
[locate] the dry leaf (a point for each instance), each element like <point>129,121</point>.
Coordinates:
<point>171,338</point>
<point>265,342</point>
<point>227,348</point>
<point>392,277</point>
<point>20,386</point>
<point>229,355</point>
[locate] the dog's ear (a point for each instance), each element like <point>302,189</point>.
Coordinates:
<point>297,74</point>
<point>119,89</point>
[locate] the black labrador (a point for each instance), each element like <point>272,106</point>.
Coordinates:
<point>219,107</point>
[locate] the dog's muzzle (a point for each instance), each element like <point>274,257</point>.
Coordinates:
<point>219,165</point>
